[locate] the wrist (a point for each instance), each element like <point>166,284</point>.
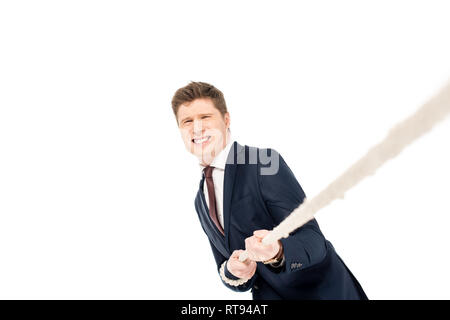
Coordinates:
<point>228,272</point>
<point>278,257</point>
<point>280,253</point>
<point>229,281</point>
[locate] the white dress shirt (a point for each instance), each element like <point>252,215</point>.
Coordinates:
<point>218,176</point>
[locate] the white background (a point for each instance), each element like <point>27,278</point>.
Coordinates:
<point>96,187</point>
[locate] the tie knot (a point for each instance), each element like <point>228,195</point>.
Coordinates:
<point>208,171</point>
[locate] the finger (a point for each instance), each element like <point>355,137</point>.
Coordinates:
<point>260,233</point>
<point>249,246</point>
<point>249,272</point>
<point>237,270</point>
<point>247,262</point>
<point>240,268</point>
<point>254,242</point>
<point>236,254</point>
<point>247,242</point>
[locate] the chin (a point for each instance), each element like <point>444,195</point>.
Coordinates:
<point>204,152</point>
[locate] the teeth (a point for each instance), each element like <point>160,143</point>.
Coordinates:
<point>201,140</point>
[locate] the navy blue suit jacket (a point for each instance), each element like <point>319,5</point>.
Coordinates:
<point>252,201</point>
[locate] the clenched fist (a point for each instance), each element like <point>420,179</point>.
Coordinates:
<point>257,251</point>
<point>239,269</point>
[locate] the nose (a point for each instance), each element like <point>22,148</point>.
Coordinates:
<point>198,127</point>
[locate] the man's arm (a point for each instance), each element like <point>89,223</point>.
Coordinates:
<point>282,193</point>
<point>220,259</point>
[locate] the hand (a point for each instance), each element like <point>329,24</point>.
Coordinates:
<point>239,269</point>
<point>257,251</point>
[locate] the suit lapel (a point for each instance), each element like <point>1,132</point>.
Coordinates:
<point>229,179</point>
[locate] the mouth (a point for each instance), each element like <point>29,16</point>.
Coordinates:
<point>201,140</point>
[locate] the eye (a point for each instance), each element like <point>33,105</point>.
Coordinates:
<point>187,121</point>
<point>205,117</point>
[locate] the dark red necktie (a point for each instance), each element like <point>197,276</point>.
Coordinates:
<point>212,197</point>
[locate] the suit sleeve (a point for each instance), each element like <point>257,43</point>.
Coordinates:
<point>282,193</point>
<point>221,259</point>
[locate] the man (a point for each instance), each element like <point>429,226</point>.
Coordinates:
<point>246,191</point>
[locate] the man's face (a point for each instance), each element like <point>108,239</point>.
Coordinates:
<point>203,128</point>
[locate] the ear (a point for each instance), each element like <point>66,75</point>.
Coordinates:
<point>227,119</point>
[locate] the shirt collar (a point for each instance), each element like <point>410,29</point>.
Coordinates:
<point>220,160</point>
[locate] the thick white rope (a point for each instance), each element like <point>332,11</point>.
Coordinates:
<point>405,132</point>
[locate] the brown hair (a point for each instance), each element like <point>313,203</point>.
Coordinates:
<point>196,90</point>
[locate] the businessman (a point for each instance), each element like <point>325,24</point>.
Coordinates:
<point>246,191</point>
